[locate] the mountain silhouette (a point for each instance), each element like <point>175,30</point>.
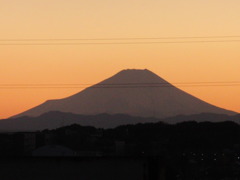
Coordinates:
<point>133,92</point>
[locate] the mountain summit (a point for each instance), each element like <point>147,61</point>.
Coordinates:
<point>133,92</point>
<point>134,76</point>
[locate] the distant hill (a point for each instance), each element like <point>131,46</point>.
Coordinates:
<point>134,92</point>
<point>54,119</point>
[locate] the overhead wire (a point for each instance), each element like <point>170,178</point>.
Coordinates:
<point>112,41</point>
<point>122,85</point>
<point>116,43</point>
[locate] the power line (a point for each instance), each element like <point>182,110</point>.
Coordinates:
<point>109,84</point>
<point>110,39</point>
<point>116,43</point>
<point>116,87</point>
<point>126,85</point>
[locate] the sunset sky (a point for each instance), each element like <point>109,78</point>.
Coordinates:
<point>29,62</point>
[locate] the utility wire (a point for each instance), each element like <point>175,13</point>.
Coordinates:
<point>119,86</point>
<point>117,43</point>
<point>116,87</point>
<point>111,39</point>
<point>110,84</point>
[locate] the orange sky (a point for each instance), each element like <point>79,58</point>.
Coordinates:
<point>89,64</point>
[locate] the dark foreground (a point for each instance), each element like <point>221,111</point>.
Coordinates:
<point>114,168</point>
<point>73,169</point>
<point>153,151</point>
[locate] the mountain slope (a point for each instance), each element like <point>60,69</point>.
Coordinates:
<point>133,92</point>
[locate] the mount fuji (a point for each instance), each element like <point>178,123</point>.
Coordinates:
<point>133,92</point>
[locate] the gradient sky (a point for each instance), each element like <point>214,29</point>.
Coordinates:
<point>89,64</point>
